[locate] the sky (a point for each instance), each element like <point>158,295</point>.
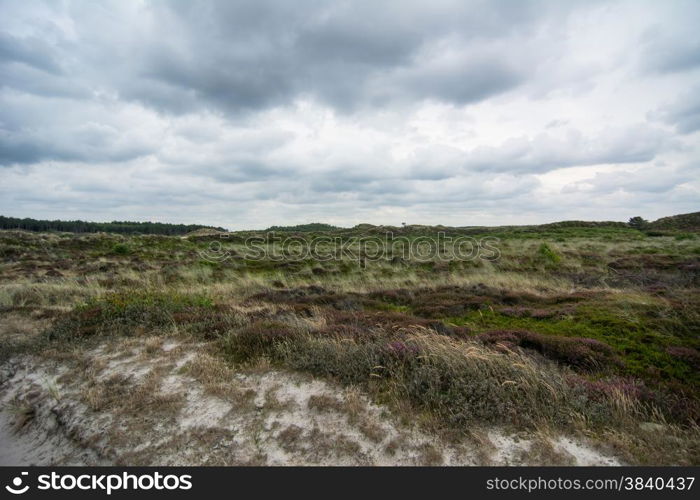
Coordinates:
<point>247,114</point>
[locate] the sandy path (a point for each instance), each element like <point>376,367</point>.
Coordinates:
<point>21,448</point>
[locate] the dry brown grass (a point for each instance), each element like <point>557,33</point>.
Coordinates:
<point>373,431</point>
<point>290,438</point>
<point>325,403</point>
<point>118,394</point>
<point>394,445</point>
<point>355,405</point>
<point>672,445</point>
<point>430,455</point>
<point>272,401</point>
<point>22,413</point>
<point>214,374</point>
<point>543,453</point>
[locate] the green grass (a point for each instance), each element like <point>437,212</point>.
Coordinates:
<point>640,341</point>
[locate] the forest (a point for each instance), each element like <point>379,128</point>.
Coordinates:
<point>79,226</point>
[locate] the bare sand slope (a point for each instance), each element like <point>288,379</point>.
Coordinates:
<point>165,402</point>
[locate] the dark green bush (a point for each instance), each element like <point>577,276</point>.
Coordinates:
<point>121,249</point>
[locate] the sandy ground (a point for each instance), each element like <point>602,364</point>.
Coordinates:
<point>163,402</point>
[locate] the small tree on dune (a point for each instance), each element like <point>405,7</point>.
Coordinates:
<point>638,223</point>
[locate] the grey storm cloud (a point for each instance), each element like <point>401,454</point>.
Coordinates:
<point>31,51</point>
<point>406,108</point>
<point>33,131</point>
<point>672,51</point>
<point>249,55</point>
<point>683,113</point>
<point>83,144</point>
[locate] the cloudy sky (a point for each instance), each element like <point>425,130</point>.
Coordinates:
<point>246,114</point>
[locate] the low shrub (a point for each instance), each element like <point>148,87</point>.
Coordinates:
<point>687,354</point>
<point>121,249</point>
<point>363,323</point>
<point>464,383</point>
<point>582,353</point>
<point>350,363</point>
<point>257,339</point>
<point>126,313</point>
<point>675,406</point>
<point>460,382</point>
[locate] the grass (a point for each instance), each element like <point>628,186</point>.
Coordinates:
<point>641,338</point>
<point>462,383</point>
<point>584,329</point>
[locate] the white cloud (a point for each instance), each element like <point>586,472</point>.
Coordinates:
<point>247,114</point>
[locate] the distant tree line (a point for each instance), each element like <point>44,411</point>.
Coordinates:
<point>303,228</point>
<point>79,226</point>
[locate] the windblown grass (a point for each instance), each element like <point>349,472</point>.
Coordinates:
<point>589,329</point>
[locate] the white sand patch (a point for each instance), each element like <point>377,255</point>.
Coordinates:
<point>509,449</point>
<point>583,454</point>
<point>203,411</point>
<point>169,345</point>
<point>125,367</point>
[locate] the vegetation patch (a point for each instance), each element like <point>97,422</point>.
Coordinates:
<point>548,255</point>
<point>583,353</point>
<point>460,382</point>
<point>588,327</point>
<point>134,313</point>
